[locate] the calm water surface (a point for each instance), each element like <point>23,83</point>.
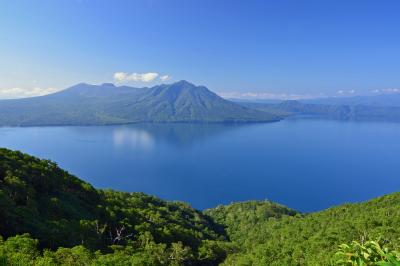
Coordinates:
<point>305,164</point>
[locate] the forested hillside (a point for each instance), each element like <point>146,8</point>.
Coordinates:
<point>59,210</point>
<point>306,239</point>
<point>49,217</point>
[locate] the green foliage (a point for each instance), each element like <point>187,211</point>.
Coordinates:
<point>23,250</point>
<point>19,250</point>
<point>71,223</point>
<point>368,253</point>
<point>71,218</point>
<point>310,239</point>
<point>239,218</point>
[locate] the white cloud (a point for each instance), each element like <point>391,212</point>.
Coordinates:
<point>11,93</point>
<point>120,76</point>
<point>165,77</point>
<point>139,77</point>
<point>142,77</point>
<point>345,92</point>
<point>389,90</point>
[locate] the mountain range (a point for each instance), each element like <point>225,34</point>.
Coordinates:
<point>383,99</point>
<point>357,109</point>
<point>85,104</point>
<point>388,99</point>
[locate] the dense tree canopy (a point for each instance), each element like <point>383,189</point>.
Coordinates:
<point>60,210</point>
<point>265,238</point>
<point>49,217</point>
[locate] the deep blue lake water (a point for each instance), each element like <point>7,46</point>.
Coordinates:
<point>306,164</point>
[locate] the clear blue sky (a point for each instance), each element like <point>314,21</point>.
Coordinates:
<point>299,47</point>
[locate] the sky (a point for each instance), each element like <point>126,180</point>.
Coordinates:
<point>298,48</point>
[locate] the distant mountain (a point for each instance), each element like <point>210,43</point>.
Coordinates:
<point>85,104</point>
<point>237,100</point>
<point>333,111</point>
<point>388,99</point>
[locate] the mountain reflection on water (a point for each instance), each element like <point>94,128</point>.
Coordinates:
<point>307,164</point>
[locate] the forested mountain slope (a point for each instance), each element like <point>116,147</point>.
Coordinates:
<point>71,223</point>
<point>306,239</point>
<point>59,210</point>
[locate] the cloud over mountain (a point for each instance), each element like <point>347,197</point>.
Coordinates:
<point>85,104</point>
<point>9,93</point>
<point>140,77</point>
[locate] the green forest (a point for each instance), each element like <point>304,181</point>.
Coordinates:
<point>50,217</point>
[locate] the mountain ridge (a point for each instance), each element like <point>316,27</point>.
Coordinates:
<point>382,100</point>
<point>86,104</point>
<point>346,112</point>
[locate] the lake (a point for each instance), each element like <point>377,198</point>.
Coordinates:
<point>306,164</point>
